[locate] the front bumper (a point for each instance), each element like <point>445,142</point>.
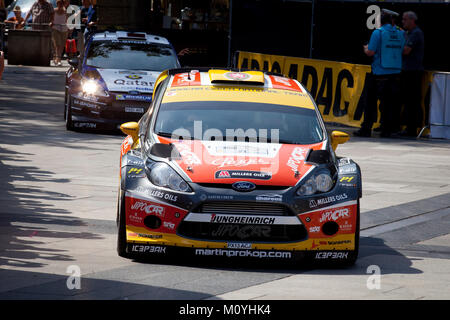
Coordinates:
<point>106,114</point>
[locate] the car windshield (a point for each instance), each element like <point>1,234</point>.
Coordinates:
<point>131,55</point>
<point>238,121</point>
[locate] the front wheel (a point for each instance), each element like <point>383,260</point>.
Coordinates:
<point>68,113</point>
<point>121,226</point>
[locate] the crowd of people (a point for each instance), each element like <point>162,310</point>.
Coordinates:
<point>45,17</point>
<point>396,77</point>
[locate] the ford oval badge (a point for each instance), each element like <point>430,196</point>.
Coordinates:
<point>243,186</point>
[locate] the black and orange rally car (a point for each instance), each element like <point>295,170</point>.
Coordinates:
<point>231,163</point>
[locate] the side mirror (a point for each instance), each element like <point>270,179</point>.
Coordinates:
<point>338,137</point>
<point>131,129</point>
<point>74,62</point>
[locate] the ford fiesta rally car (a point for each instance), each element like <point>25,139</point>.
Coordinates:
<point>228,163</point>
<point>112,80</point>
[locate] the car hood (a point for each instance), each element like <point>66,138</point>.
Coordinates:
<point>229,162</point>
<point>128,80</point>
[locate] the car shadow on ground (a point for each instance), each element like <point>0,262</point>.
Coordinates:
<point>373,251</point>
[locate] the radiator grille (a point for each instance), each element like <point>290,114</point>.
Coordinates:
<point>258,208</point>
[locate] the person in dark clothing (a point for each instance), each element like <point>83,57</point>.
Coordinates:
<point>386,47</point>
<point>412,72</point>
<point>3,16</point>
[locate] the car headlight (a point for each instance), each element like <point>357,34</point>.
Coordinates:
<point>91,87</point>
<point>322,182</point>
<point>162,175</point>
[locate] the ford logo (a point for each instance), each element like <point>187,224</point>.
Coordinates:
<point>243,186</point>
<point>133,92</point>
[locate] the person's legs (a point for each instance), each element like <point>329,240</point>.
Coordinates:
<point>413,106</point>
<point>55,46</point>
<point>370,108</point>
<point>384,94</point>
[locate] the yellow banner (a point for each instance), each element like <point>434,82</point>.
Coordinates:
<point>337,87</point>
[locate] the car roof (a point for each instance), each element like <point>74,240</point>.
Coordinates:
<point>205,84</point>
<point>129,36</point>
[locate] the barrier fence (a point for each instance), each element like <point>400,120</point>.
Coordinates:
<point>339,88</point>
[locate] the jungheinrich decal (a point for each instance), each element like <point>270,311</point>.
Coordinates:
<point>239,174</point>
<point>242,219</point>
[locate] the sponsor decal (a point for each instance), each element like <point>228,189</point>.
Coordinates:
<point>133,76</point>
<point>239,162</point>
<point>344,161</point>
<point>335,215</point>
<point>244,253</point>
<point>314,229</point>
<point>346,226</point>
<point>189,157</point>
<point>243,186</point>
<point>240,149</point>
<point>318,244</point>
<point>204,197</point>
<point>237,76</point>
<point>347,169</point>
<point>135,170</point>
<point>84,103</point>
<point>169,225</point>
<point>241,232</point>
<point>85,125</point>
<point>86,96</point>
<point>239,174</point>
<point>346,179</point>
<point>150,236</point>
<point>136,218</point>
<point>148,208</point>
<point>134,110</point>
<point>239,245</point>
<point>318,202</point>
<point>157,194</point>
<point>331,243</point>
<point>297,157</point>
<point>270,197</point>
<point>147,249</point>
<point>137,83</point>
<point>332,255</point>
<point>123,97</point>
<point>215,218</point>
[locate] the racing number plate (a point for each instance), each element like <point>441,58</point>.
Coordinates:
<point>132,109</point>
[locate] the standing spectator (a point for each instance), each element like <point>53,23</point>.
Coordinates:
<point>386,47</point>
<point>59,31</point>
<point>412,72</point>
<point>42,13</point>
<point>90,20</point>
<point>16,20</point>
<point>3,16</point>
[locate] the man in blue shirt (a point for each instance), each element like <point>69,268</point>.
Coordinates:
<point>386,47</point>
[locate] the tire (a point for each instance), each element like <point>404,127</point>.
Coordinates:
<point>68,113</point>
<point>121,227</point>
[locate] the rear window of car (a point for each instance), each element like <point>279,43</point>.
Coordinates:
<point>238,121</point>
<point>131,55</point>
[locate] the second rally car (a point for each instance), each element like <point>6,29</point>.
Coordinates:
<point>112,80</point>
<point>228,163</point>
